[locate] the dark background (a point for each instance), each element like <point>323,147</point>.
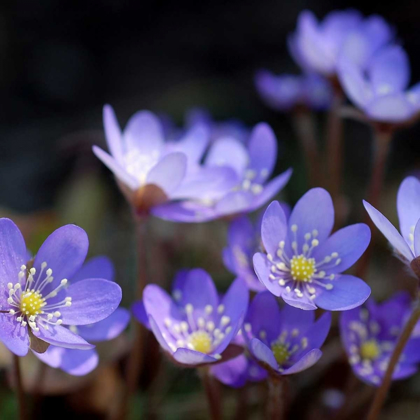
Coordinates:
<point>62,60</point>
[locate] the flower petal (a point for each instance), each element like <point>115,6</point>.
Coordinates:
<point>144,133</point>
<point>262,149</point>
<point>273,228</point>
<point>79,362</point>
<point>262,353</point>
<point>304,303</point>
<point>53,356</point>
<point>100,267</point>
<point>233,373</point>
<point>139,312</point>
<point>293,318</point>
<point>192,357</point>
<point>118,170</point>
<point>350,243</point>
<point>12,256</point>
<point>417,239</point>
<point>408,205</point>
<point>62,337</point>
<point>348,292</point>
<point>314,211</point>
<point>307,361</point>
<point>106,329</point>
<point>113,134</point>
<point>262,270</point>
<point>389,231</point>
<point>169,172</point>
<point>92,300</point>
<point>158,334</point>
<point>235,301</point>
<point>235,202</point>
<point>394,107</point>
<point>13,335</point>
<point>318,332</point>
<point>64,251</point>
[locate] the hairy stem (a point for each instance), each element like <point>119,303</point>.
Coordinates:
<point>382,391</point>
<point>276,404</point>
<point>212,390</point>
<point>19,387</point>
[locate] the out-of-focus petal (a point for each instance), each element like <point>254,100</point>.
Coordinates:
<point>408,205</point>
<point>99,267</point>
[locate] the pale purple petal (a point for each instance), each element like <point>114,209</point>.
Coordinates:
<point>348,292</point>
<point>389,231</point>
<point>408,205</point>
<point>354,83</point>
<point>178,285</point>
<point>92,300</point>
<point>158,334</point>
<point>199,290</point>
<point>292,318</point>
<point>228,152</point>
<point>417,239</point>
<point>192,357</point>
<point>53,356</point>
<point>62,337</point>
<point>390,108</point>
<point>13,335</point>
<point>144,133</point>
<point>389,70</point>
<point>303,302</point>
<point>413,95</point>
<point>314,211</point>
<point>106,329</point>
<point>318,332</point>
<point>12,256</point>
<point>235,300</point>
<point>262,149</point>
<point>403,371</point>
<point>79,362</point>
<point>233,372</point>
<point>229,337</point>
<point>262,353</point>
<point>273,228</point>
<point>64,251</point>
<point>262,270</point>
<point>116,168</point>
<point>350,243</point>
<point>100,267</point>
<point>235,202</point>
<point>185,212</point>
<point>169,172</point>
<point>308,360</point>
<point>113,134</point>
<point>412,351</point>
<point>139,312</point>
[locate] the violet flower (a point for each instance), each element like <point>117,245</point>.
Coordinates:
<point>407,244</point>
<point>283,341</point>
<point>81,362</point>
<point>196,326</point>
<point>253,164</point>
<point>38,301</point>
<point>319,46</point>
<point>303,263</point>
<point>369,335</point>
<point>286,92</point>
<point>151,171</point>
<point>381,91</point>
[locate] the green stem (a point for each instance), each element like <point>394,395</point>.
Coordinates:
<point>19,387</point>
<point>212,390</point>
<point>382,391</point>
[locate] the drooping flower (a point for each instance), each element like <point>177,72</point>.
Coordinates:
<point>319,46</point>
<point>81,362</point>
<point>381,91</point>
<point>286,92</point>
<point>407,244</point>
<point>303,263</point>
<point>151,171</point>
<point>196,326</point>
<point>369,335</point>
<point>36,299</point>
<point>283,341</point>
<point>253,164</point>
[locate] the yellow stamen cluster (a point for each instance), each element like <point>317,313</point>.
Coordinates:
<point>31,303</point>
<point>370,350</point>
<point>302,268</point>
<point>280,352</point>
<point>201,341</point>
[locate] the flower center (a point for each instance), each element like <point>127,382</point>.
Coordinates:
<point>201,341</point>
<point>281,352</point>
<point>302,268</point>
<point>31,303</point>
<point>370,350</point>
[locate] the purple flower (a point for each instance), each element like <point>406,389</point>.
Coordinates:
<point>151,171</point>
<point>381,91</point>
<point>286,91</point>
<point>283,341</point>
<point>319,46</point>
<point>407,244</point>
<point>303,263</point>
<point>195,327</point>
<point>38,301</point>
<point>252,163</point>
<point>369,335</point>
<point>81,362</point>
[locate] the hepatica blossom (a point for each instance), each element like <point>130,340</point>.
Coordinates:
<point>303,263</point>
<point>286,92</point>
<point>252,163</point>
<point>37,300</point>
<point>81,362</point>
<point>283,341</point>
<point>196,326</point>
<point>369,335</point>
<point>381,91</point>
<point>319,46</point>
<point>151,171</point>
